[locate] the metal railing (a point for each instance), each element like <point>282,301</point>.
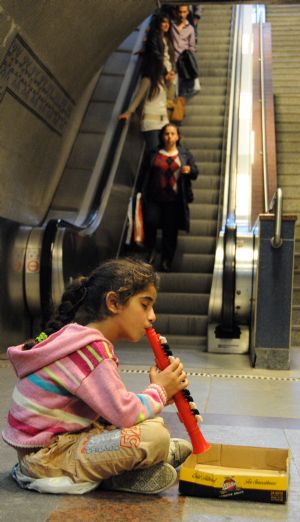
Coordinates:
<point>263,119</point>
<point>230,159</point>
<point>276,240</point>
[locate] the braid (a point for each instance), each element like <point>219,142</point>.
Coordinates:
<point>71,300</point>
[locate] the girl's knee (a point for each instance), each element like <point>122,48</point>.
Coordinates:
<point>156,439</point>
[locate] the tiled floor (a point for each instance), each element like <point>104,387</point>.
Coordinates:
<point>240,405</point>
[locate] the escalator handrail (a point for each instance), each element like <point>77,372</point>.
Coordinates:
<point>230,165</point>
<point>88,217</point>
<point>263,118</point>
<point>102,177</point>
<point>227,112</point>
<point>228,326</point>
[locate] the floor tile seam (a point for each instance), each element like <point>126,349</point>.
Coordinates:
<point>285,424</point>
<point>237,422</point>
<point>207,398</point>
<point>207,374</point>
<point>221,375</point>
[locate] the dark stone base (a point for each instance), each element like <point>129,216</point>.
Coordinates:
<point>272,358</point>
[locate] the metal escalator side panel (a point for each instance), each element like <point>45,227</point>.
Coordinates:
<point>37,272</point>
<point>15,263</point>
<point>46,272</point>
<point>57,281</point>
<point>72,255</point>
<point>239,298</point>
<point>32,271</point>
<point>15,321</point>
<point>228,326</point>
<point>228,329</point>
<point>215,301</point>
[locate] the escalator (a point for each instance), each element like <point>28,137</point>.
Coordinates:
<point>182,306</point>
<point>87,215</point>
<point>75,195</point>
<point>87,218</point>
<point>253,260</point>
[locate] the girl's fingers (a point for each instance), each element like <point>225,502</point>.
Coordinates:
<point>184,384</point>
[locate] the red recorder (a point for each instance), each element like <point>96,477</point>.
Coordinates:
<point>183,398</point>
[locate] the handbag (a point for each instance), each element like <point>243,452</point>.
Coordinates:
<point>177,113</point>
<point>135,229</point>
<point>187,66</point>
<point>138,224</point>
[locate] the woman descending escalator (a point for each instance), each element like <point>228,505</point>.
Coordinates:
<point>167,193</point>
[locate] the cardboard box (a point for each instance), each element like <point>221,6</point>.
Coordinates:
<point>237,473</point>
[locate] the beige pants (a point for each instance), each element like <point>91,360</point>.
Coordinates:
<point>100,452</point>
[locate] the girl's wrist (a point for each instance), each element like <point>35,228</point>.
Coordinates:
<point>161,391</point>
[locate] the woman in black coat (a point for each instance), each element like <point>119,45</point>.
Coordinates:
<point>167,193</point>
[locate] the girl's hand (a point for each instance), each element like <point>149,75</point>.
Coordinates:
<point>170,402</point>
<point>124,116</point>
<point>173,378</point>
<point>186,169</point>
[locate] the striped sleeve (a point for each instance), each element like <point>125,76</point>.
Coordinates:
<point>106,394</point>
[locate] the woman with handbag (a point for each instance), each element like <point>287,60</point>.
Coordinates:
<point>167,193</point>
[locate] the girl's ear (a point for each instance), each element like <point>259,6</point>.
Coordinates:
<point>112,303</point>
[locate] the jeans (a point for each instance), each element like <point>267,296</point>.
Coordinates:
<point>99,452</point>
<point>151,139</point>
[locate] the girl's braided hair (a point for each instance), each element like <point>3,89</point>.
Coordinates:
<point>84,300</point>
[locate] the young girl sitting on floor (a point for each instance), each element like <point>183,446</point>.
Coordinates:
<point>72,420</point>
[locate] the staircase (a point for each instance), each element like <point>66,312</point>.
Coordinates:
<point>285,21</point>
<point>182,306</point>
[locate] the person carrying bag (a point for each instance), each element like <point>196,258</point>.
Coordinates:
<point>183,35</point>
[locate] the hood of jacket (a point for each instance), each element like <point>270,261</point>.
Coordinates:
<point>68,339</point>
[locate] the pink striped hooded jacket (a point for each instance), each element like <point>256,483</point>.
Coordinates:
<point>67,382</point>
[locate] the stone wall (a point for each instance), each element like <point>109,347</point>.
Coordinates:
<point>51,52</point>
